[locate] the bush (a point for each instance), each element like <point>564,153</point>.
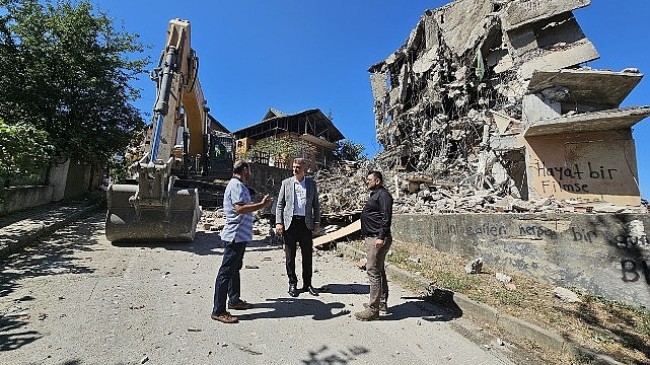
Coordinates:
<point>24,152</point>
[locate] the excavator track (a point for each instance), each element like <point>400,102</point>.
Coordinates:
<point>210,191</point>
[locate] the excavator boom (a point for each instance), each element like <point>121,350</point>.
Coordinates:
<point>155,210</point>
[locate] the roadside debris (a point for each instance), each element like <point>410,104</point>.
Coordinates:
<point>474,267</point>
<point>566,295</point>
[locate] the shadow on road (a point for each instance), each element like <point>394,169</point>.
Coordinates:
<point>10,338</point>
<point>50,256</point>
<point>53,255</point>
<point>205,243</point>
<point>327,356</point>
<point>318,310</point>
<point>295,307</point>
<point>428,311</point>
<point>346,289</point>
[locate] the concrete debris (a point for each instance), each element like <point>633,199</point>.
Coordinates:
<point>503,277</point>
<point>566,295</point>
<point>361,264</point>
<point>343,193</point>
<point>474,267</point>
<point>488,95</point>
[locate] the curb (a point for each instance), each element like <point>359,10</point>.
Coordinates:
<point>15,245</point>
<point>484,314</point>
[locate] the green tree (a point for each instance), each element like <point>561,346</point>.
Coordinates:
<point>66,70</point>
<point>348,150</point>
<point>282,150</point>
<point>24,151</point>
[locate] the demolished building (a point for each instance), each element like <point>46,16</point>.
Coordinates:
<point>496,93</point>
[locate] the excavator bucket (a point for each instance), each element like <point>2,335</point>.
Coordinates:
<point>174,221</point>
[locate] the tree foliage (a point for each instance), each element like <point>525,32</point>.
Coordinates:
<point>281,150</point>
<point>66,70</point>
<point>348,150</point>
<point>24,150</point>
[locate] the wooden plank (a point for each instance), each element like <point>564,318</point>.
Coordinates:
<point>351,228</point>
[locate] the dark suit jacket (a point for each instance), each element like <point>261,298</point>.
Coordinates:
<point>284,208</point>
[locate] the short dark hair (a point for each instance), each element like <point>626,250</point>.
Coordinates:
<point>239,166</point>
<point>377,175</point>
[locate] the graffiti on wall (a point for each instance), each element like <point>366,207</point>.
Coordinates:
<point>632,270</point>
<point>577,178</point>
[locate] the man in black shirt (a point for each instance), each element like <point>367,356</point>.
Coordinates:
<point>375,227</point>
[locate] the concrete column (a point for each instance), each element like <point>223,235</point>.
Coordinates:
<point>535,109</point>
<point>57,178</point>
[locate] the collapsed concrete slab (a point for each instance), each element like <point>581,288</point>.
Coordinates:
<point>526,12</point>
<point>603,88</point>
<point>602,120</point>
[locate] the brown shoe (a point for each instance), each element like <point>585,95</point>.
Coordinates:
<point>224,317</point>
<point>383,307</point>
<point>367,314</point>
<point>241,305</point>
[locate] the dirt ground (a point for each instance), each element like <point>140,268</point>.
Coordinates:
<point>602,326</point>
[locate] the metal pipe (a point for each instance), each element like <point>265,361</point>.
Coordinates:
<point>162,105</point>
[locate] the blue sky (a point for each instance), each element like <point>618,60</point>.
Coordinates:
<point>299,54</point>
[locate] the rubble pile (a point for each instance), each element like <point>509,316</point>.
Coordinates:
<point>342,188</point>
<point>342,191</point>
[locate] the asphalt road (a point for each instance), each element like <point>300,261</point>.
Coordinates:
<point>77,299</point>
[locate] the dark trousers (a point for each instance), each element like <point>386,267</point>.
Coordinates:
<point>228,283</point>
<point>298,233</point>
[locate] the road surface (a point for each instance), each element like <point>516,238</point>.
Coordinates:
<point>77,299</point>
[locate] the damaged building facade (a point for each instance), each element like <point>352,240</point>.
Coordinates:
<point>496,92</point>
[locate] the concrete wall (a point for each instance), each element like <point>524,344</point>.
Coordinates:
<point>590,167</point>
<point>604,254</point>
<point>22,197</point>
<point>81,179</point>
<point>65,181</point>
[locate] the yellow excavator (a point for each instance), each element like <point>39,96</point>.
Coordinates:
<point>185,151</point>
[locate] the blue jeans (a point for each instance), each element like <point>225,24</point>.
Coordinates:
<point>228,282</point>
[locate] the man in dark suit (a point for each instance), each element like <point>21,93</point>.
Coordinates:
<point>297,215</point>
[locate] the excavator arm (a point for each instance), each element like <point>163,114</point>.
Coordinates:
<point>154,210</point>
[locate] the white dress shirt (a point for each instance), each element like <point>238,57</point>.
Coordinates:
<point>299,197</point>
